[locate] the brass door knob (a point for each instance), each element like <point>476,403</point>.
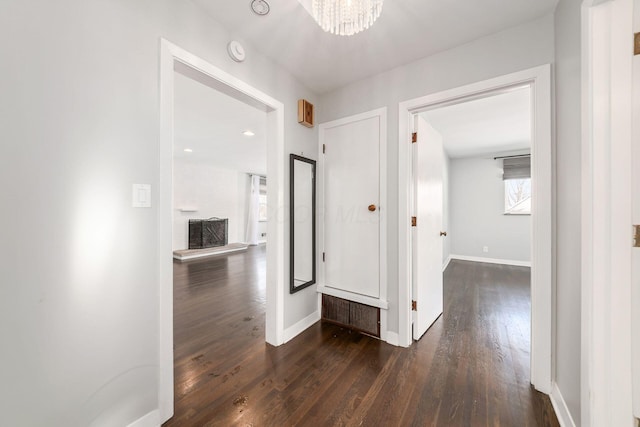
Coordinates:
<point>443,233</point>
<point>372,208</point>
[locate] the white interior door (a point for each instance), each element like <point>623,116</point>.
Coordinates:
<point>426,240</point>
<point>352,206</point>
<point>635,188</point>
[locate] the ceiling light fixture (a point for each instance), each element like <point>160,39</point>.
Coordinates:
<point>346,17</point>
<point>260,7</point>
<point>248,133</point>
<point>188,150</point>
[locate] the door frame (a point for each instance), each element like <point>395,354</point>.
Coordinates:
<point>170,57</point>
<point>382,301</point>
<point>542,219</point>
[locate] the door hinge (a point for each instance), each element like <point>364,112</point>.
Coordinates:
<point>414,221</point>
<point>414,305</point>
<point>324,148</point>
<point>636,44</point>
<point>636,236</point>
<point>322,256</point>
<point>414,137</point>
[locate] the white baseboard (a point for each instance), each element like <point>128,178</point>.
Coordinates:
<point>446,263</point>
<point>492,260</point>
<point>152,419</point>
<point>393,339</point>
<point>295,330</point>
<point>560,406</point>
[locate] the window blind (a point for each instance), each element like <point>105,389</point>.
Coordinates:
<point>263,185</point>
<point>516,167</point>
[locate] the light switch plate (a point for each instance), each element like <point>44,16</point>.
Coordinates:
<point>141,196</point>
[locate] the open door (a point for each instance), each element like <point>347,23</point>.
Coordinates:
<point>635,188</point>
<point>428,158</point>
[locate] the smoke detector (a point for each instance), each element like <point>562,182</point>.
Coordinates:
<point>236,51</point>
<point>260,7</point>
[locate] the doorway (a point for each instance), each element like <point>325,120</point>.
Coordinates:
<point>172,57</point>
<point>471,191</point>
<point>539,80</point>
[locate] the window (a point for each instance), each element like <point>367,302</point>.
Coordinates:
<point>516,173</point>
<point>262,216</point>
<point>517,196</point>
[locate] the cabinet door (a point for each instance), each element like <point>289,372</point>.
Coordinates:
<point>351,201</point>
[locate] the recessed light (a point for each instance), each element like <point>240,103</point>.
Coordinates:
<point>188,150</point>
<point>248,133</point>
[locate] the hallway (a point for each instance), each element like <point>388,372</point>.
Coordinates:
<point>470,368</point>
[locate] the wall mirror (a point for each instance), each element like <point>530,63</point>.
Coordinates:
<point>303,222</point>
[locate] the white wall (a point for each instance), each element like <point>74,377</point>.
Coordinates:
<point>516,49</point>
<point>568,202</point>
<point>477,213</point>
<point>215,192</point>
<point>80,124</point>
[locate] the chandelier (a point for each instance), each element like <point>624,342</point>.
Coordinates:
<point>346,17</point>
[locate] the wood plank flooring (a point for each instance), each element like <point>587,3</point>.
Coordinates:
<point>470,369</point>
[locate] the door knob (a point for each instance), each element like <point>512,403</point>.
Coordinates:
<point>443,233</point>
<point>372,208</point>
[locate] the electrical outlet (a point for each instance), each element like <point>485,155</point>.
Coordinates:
<point>485,249</point>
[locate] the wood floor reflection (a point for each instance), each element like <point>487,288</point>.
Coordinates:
<point>470,369</point>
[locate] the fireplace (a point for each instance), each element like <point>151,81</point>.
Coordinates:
<point>207,233</point>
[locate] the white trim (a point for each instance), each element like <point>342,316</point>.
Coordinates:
<point>302,325</point>
<point>392,338</point>
<point>513,262</point>
<point>446,263</point>
<point>350,296</point>
<point>383,207</point>
<point>152,419</point>
<point>607,82</point>
<point>542,273</point>
<point>561,408</point>
<point>170,56</point>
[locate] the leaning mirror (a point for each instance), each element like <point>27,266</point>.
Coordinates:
<point>303,222</point>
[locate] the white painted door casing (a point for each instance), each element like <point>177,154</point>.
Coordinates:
<point>542,222</point>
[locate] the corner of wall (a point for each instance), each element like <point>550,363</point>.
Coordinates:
<point>561,408</point>
<point>152,419</point>
<point>295,330</point>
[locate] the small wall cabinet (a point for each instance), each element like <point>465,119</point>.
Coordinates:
<point>360,317</point>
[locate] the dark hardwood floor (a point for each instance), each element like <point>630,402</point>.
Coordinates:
<point>470,369</point>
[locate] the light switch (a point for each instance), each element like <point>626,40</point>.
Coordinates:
<point>141,196</point>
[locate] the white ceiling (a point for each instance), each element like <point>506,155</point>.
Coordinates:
<point>211,124</point>
<point>493,125</point>
<point>407,30</point>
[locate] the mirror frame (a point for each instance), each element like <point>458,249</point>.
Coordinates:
<point>292,159</point>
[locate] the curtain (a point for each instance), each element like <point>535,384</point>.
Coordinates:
<point>254,211</point>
